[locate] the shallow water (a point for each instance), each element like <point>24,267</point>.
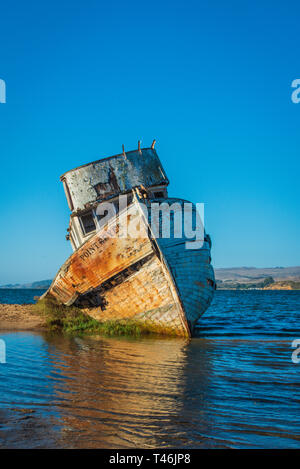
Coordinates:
<point>234,386</point>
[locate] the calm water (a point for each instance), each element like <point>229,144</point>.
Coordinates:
<point>234,386</point>
<point>10,296</point>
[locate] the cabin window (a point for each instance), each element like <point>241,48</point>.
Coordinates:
<point>87,223</point>
<point>158,195</point>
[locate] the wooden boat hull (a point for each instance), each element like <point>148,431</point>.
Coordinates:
<point>152,281</point>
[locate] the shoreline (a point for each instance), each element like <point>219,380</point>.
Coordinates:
<point>23,317</point>
<point>50,317</point>
<point>15,317</point>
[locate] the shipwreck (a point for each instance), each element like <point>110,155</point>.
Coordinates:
<point>161,281</point>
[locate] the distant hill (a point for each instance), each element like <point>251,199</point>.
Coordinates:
<point>42,284</point>
<point>252,277</point>
<point>244,274</point>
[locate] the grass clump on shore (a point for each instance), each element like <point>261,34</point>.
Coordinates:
<point>71,319</point>
<point>64,318</point>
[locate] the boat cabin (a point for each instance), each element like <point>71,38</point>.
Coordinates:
<point>88,185</point>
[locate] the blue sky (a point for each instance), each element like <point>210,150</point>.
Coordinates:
<point>211,81</point>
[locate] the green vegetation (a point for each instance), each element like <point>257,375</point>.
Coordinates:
<point>294,285</point>
<point>70,319</point>
<point>63,318</point>
<point>288,284</point>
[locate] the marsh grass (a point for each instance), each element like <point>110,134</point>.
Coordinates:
<point>70,319</point>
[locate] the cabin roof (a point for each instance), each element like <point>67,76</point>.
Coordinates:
<point>106,177</point>
<point>105,159</point>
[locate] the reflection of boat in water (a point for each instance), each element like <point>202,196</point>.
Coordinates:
<point>98,392</point>
<point>149,278</point>
<point>117,392</point>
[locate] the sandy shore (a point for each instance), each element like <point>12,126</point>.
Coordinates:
<point>19,317</point>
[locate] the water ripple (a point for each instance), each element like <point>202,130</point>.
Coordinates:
<point>233,386</point>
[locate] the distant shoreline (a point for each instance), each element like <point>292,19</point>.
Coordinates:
<point>258,289</point>
<point>280,286</point>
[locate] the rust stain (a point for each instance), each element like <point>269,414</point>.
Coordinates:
<point>109,188</point>
<point>97,261</point>
<point>200,284</point>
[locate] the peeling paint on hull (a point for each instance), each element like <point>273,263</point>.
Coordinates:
<point>151,281</point>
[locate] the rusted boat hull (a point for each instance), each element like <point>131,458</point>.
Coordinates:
<point>152,281</point>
